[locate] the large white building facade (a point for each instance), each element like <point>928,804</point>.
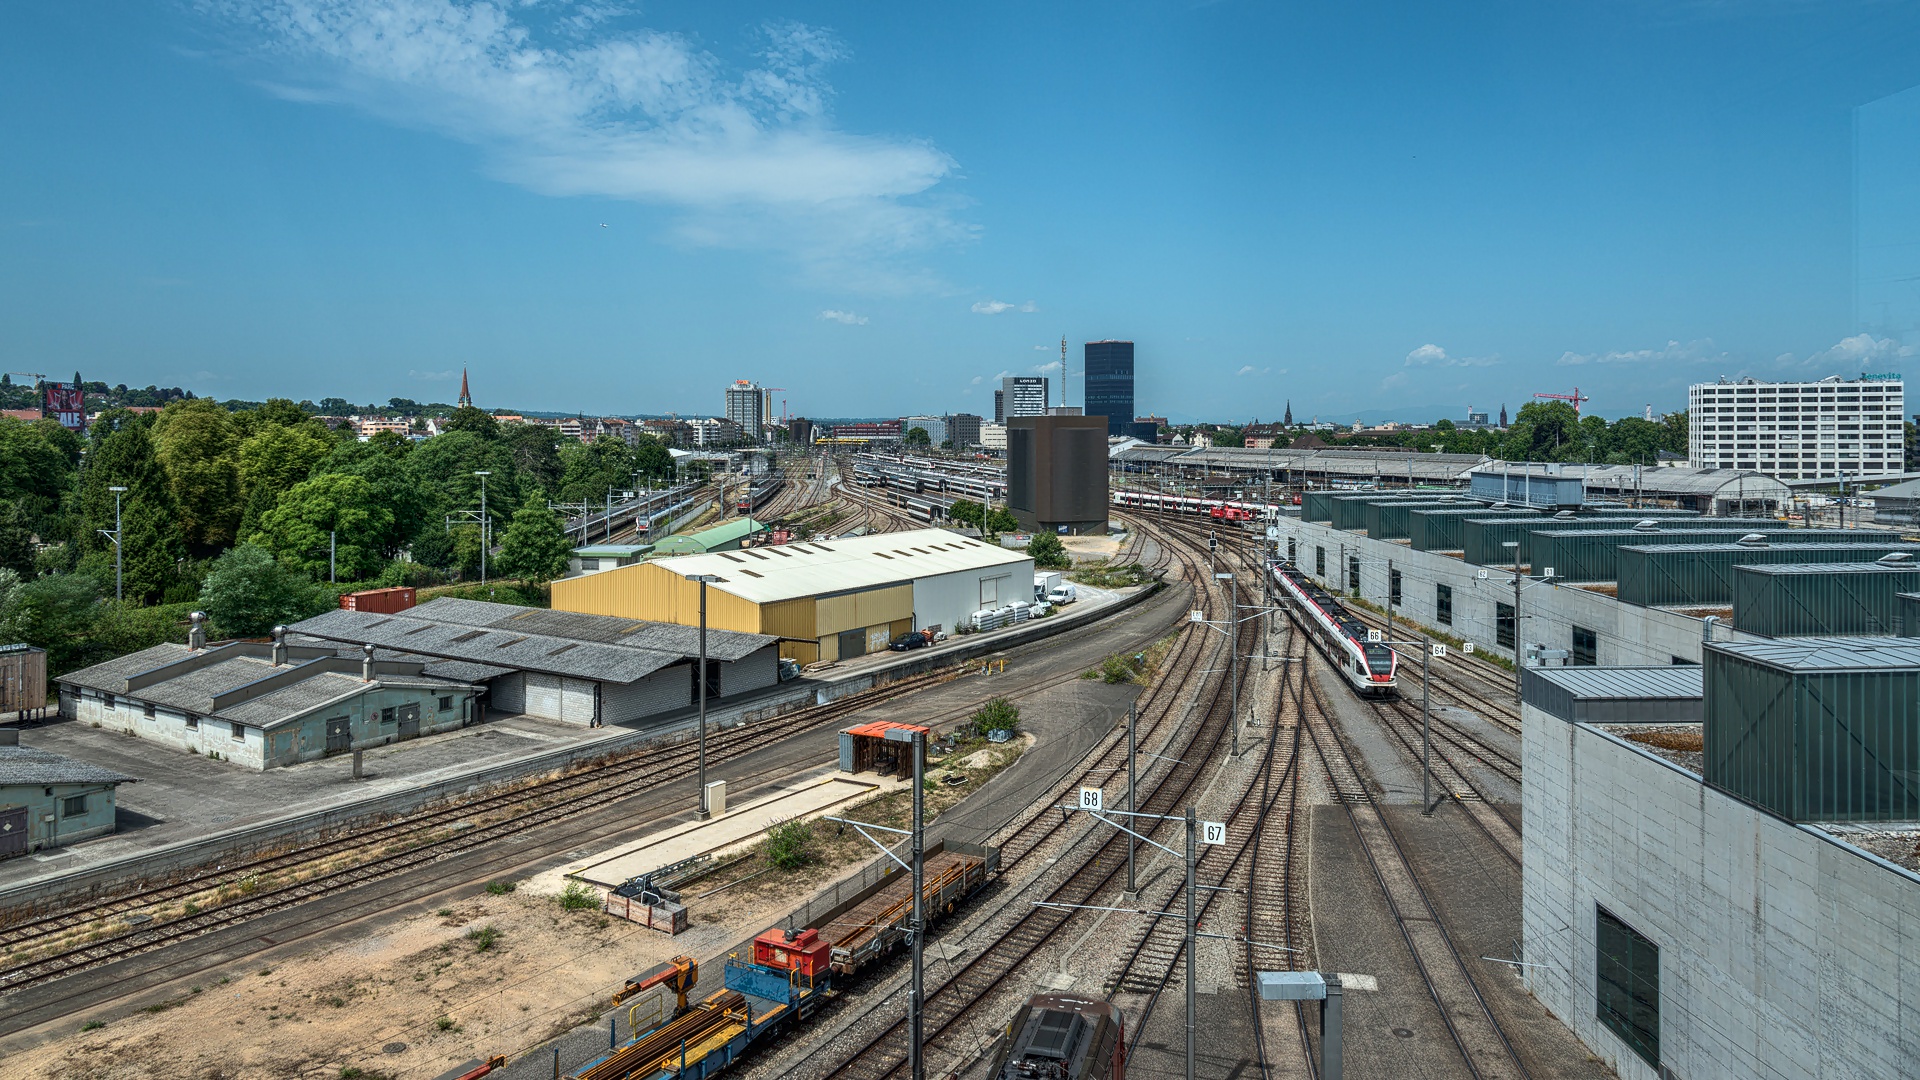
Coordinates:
<point>1799,430</point>
<point>746,406</point>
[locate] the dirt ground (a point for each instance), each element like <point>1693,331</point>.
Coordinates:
<point>494,973</point>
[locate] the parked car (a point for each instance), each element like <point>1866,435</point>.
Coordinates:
<point>1064,594</point>
<point>913,640</point>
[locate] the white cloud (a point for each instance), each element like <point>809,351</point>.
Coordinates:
<point>1043,348</point>
<point>1004,374</point>
<point>1249,369</point>
<point>1394,381</point>
<point>845,318</point>
<point>977,380</point>
<point>1861,349</point>
<point>995,307</point>
<point>1042,369</point>
<point>565,103</point>
<point>1435,356</point>
<point>1673,352</point>
<point>433,376</point>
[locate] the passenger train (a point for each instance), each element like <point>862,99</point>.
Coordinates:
<point>1211,506</point>
<point>758,493</point>
<point>1368,667</point>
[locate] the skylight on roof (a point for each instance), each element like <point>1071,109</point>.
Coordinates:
<point>884,555</point>
<point>751,574</point>
<point>468,636</point>
<point>726,556</point>
<point>755,555</point>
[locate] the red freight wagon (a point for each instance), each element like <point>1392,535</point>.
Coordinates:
<point>381,601</point>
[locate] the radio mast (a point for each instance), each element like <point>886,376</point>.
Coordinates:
<point>1063,371</point>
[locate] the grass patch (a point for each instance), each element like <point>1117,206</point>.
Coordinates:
<point>446,1023</point>
<point>1689,741</point>
<point>93,1025</point>
<point>501,888</point>
<point>444,912</point>
<point>483,937</point>
<point>578,896</point>
<point>789,844</point>
<point>1106,575</point>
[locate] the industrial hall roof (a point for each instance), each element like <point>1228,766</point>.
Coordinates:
<point>1357,463</point>
<point>238,681</point>
<point>812,568</point>
<point>1828,654</point>
<point>533,639</point>
<point>1649,695</point>
<point>29,767</point>
<point>1651,482</point>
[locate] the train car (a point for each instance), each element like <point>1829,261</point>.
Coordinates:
<point>1368,667</point>
<point>1063,1037</point>
<point>758,494</point>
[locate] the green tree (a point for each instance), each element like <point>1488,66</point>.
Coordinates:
<point>967,512</point>
<point>917,436</point>
<point>335,506</point>
<point>535,547</point>
<point>197,441</point>
<point>1048,552</point>
<point>248,592</point>
<point>32,464</point>
<point>272,460</point>
<point>534,450</point>
<point>1229,436</point>
<point>469,419</point>
<point>998,520</point>
<point>151,544</point>
<point>56,613</point>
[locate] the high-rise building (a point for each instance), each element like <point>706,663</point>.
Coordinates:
<point>1057,473</point>
<point>999,406</point>
<point>934,426</point>
<point>1024,395</point>
<point>964,430</point>
<point>746,406</point>
<point>1108,377</point>
<point>1799,430</point>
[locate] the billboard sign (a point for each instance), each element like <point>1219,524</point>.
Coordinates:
<point>67,403</point>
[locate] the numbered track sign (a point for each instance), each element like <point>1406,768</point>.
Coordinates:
<point>1467,648</point>
<point>1439,652</point>
<point>1092,798</point>
<point>1213,832</point>
<point>1373,635</point>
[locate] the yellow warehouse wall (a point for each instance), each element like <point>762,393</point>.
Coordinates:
<point>646,591</point>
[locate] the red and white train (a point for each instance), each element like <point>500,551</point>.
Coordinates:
<point>1368,667</point>
<point>1214,507</point>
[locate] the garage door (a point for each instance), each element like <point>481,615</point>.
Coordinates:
<point>13,832</point>
<point>543,696</point>
<point>853,643</point>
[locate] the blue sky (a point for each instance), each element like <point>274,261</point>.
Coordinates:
<point>618,208</point>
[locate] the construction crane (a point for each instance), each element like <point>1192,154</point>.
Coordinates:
<point>34,375</point>
<point>1575,398</point>
<point>768,411</point>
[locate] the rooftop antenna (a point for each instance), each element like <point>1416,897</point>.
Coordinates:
<point>1063,371</point>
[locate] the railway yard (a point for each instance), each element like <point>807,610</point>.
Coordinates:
<point>426,943</point>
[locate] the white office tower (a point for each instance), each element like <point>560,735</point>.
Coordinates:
<point>1799,430</point>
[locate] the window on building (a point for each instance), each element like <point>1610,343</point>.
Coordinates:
<point>1586,647</point>
<point>107,701</point>
<point>1353,573</point>
<point>1627,985</point>
<point>239,733</point>
<point>1503,624</point>
<point>446,702</point>
<point>73,806</point>
<point>193,722</point>
<point>1443,604</point>
<point>1679,661</point>
<point>148,710</point>
<point>1393,587</point>
<point>387,715</point>
<point>1291,557</point>
<point>1319,562</point>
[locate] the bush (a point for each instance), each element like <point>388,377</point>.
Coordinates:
<point>579,896</point>
<point>1048,552</point>
<point>1116,669</point>
<point>789,844</point>
<point>483,937</point>
<point>998,714</point>
<point>501,888</point>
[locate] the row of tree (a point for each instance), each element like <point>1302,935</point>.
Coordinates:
<point>1542,431</point>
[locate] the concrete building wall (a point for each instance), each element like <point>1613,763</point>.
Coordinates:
<point>948,600</point>
<point>1783,951</point>
<point>665,690</point>
<point>48,823</point>
<point>755,672</point>
<point>1627,635</point>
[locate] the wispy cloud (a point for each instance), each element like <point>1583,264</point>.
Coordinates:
<point>433,376</point>
<point>1860,349</point>
<point>995,307</point>
<point>977,380</point>
<point>1435,356</point>
<point>1042,369</point>
<point>1673,352</point>
<point>566,102</point>
<point>1249,369</point>
<point>845,318</point>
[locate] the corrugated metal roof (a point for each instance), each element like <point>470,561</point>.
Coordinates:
<point>603,629</point>
<point>29,766</point>
<point>1829,569</point>
<point>608,551</point>
<point>1827,654</point>
<point>501,647</point>
<point>816,568</point>
<point>1677,681</point>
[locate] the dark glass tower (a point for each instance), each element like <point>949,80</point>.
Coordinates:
<point>1109,384</point>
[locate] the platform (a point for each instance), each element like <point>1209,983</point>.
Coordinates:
<point>738,827</point>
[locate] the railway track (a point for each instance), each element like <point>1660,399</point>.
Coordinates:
<point>959,1006</point>
<point>1477,1035</point>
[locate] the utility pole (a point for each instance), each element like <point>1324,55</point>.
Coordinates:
<point>703,579</point>
<point>1390,598</point>
<point>1192,926</point>
<point>1133,784</point>
<point>485,538</point>
<point>1233,661</point>
<point>1426,732</point>
<point>916,998</point>
<point>115,537</point>
<point>1516,618</point>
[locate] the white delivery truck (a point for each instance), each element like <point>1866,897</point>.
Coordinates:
<point>1062,593</point>
<point>1045,582</point>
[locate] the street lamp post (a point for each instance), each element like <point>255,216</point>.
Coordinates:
<point>115,537</point>
<point>484,538</point>
<point>703,579</point>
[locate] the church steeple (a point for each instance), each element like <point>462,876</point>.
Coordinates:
<point>1503,414</point>
<point>1288,420</point>
<point>466,399</point>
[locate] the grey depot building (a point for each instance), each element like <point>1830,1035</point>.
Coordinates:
<point>48,800</point>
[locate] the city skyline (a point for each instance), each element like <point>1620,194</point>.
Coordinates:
<point>254,201</point>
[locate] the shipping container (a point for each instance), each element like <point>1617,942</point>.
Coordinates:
<point>23,678</point>
<point>1350,510</point>
<point>1591,556</point>
<point>1816,729</point>
<point>1389,519</point>
<point>380,601</point>
<point>1701,575</point>
<point>1483,539</point>
<point>1439,529</point>
<point>1821,600</point>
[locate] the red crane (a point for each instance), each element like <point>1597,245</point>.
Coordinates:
<point>1576,398</point>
